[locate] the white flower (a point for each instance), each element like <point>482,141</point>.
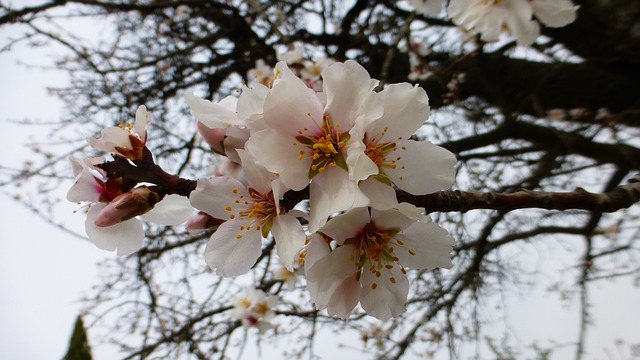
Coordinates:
<point>261,74</point>
<point>370,260</point>
<point>489,18</point>
<point>307,133</point>
<point>250,213</point>
<point>554,13</point>
<point>382,148</point>
<point>255,309</point>
<point>126,236</point>
<point>128,140</point>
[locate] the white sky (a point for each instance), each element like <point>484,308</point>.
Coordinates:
<point>44,271</point>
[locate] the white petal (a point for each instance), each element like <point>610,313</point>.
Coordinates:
<point>332,191</point>
<point>126,236</point>
<point>221,115</point>
<point>257,176</point>
<point>221,197</point>
<point>390,219</point>
<point>172,210</point>
<point>350,95</point>
<point>387,298</point>
<point>345,298</point>
<point>291,106</point>
<point>360,165</point>
<point>381,196</point>
<point>425,246</point>
<point>555,13</point>
<point>327,274</point>
<point>316,250</point>
<point>143,119</point>
<point>233,250</point>
<point>290,238</point>
<point>280,153</point>
<point>347,225</point>
<point>111,138</point>
<point>422,167</point>
<point>251,101</point>
<point>406,108</point>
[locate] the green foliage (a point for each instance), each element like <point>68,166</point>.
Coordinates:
<point>79,348</point>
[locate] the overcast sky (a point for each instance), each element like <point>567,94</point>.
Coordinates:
<point>44,271</point>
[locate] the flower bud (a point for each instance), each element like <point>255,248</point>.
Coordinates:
<point>202,222</point>
<point>213,137</point>
<point>128,205</point>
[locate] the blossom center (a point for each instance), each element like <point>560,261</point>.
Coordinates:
<point>374,249</point>
<point>324,147</point>
<point>264,207</point>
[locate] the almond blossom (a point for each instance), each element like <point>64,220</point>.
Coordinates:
<point>382,148</point>
<point>255,309</point>
<point>307,133</point>
<point>368,262</point>
<point>251,213</point>
<point>111,228</point>
<point>128,140</point>
<point>490,18</point>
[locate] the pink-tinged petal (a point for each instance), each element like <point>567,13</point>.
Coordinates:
<point>290,238</point>
<point>172,210</point>
<point>426,245</point>
<point>327,274</point>
<point>421,167</point>
<point>332,191</point>
<point>214,137</point>
<point>385,296</point>
<point>201,222</point>
<point>86,187</point>
<point>143,119</point>
<point>555,13</point>
<point>344,298</point>
<point>236,139</point>
<point>291,106</point>
<point>217,116</point>
<point>232,250</point>
<point>350,96</point>
<point>221,197</point>
<point>257,176</point>
<point>406,108</point>
<point>347,225</point>
<point>126,236</point>
<point>280,153</point>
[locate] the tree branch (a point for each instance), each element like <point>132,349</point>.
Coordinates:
<point>455,200</point>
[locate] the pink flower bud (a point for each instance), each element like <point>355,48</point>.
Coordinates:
<point>126,206</point>
<point>213,137</point>
<point>202,222</point>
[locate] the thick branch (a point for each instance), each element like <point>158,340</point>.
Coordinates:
<point>455,200</point>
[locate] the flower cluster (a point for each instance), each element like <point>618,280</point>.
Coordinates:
<point>331,139</point>
<point>351,147</point>
<point>490,18</point>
